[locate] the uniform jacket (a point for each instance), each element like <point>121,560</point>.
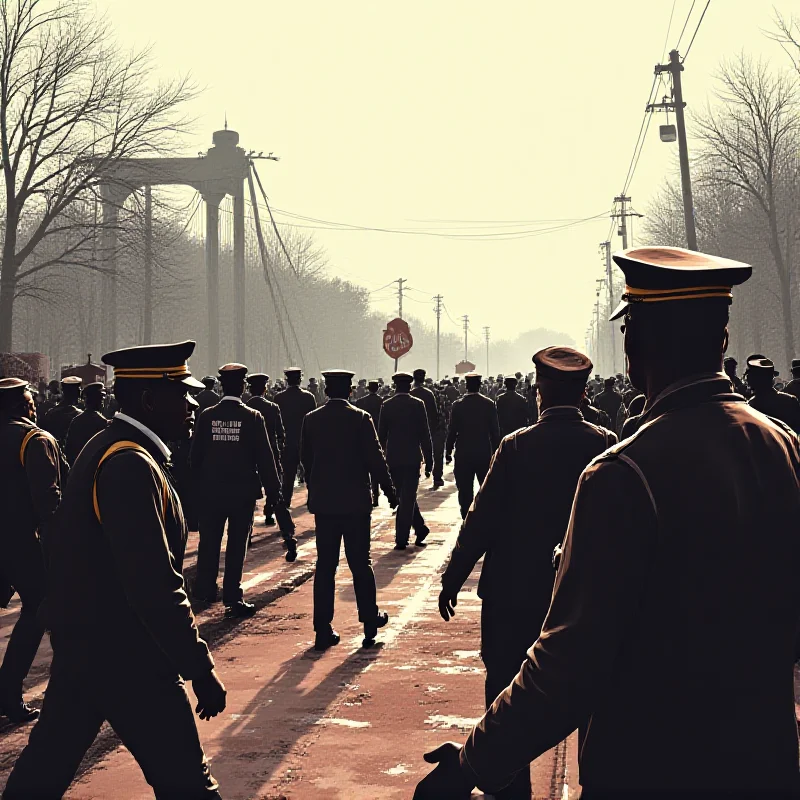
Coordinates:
<point>339,451</point>
<point>780,405</point>
<point>474,430</point>
<point>608,401</point>
<point>522,510</point>
<point>452,393</point>
<point>404,433</point>
<point>427,396</point>
<point>58,420</point>
<point>679,571</point>
<point>372,404</point>
<point>231,454</point>
<point>81,429</point>
<point>793,387</point>
<point>272,417</point>
<point>29,494</point>
<point>116,589</point>
<point>512,412</point>
<point>294,403</point>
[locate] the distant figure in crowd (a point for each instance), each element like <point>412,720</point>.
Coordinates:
<point>729,366</point>
<point>780,405</point>
<point>30,491</point>
<point>294,402</point>
<point>512,409</point>
<point>340,451</point>
<point>60,417</point>
<point>535,469</point>
<point>406,440</point>
<point>89,422</point>
<point>232,459</point>
<point>208,396</point>
<point>257,381</point>
<point>372,403</point>
<point>793,387</point>
<point>664,566</point>
<point>123,634</point>
<point>475,434</point>
<point>634,420</point>
<point>609,400</point>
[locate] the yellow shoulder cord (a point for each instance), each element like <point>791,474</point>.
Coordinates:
<point>116,448</point>
<point>28,436</point>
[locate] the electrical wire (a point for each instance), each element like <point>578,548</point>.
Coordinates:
<point>640,136</point>
<point>708,3</point>
<point>683,30</point>
<point>669,28</point>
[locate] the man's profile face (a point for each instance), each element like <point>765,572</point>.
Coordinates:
<point>172,409</point>
<point>30,406</point>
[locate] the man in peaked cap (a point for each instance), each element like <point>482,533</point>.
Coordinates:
<point>294,402</point>
<point>89,422</point>
<point>793,387</point>
<point>123,634</point>
<point>760,376</point>
<point>512,408</point>
<point>519,516</point>
<point>676,590</point>
<point>422,392</point>
<point>406,440</point>
<point>372,403</point>
<point>340,451</point>
<point>232,460</point>
<point>30,491</point>
<point>475,434</point>
<point>257,381</point>
<point>60,418</point>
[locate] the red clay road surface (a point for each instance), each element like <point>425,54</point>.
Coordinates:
<point>349,723</point>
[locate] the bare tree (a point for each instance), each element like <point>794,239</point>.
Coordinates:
<point>749,143</point>
<point>71,107</point>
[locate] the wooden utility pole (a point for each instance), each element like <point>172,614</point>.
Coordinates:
<point>606,248</point>
<point>675,67</point>
<point>148,266</point>
<point>465,320</point>
<point>438,311</point>
<point>486,334</point>
<point>400,282</point>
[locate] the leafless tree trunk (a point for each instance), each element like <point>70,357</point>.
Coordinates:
<point>71,106</point>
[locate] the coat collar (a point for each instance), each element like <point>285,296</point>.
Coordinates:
<point>150,440</point>
<point>692,391</point>
<point>560,413</point>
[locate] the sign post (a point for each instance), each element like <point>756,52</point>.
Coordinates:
<point>397,340</point>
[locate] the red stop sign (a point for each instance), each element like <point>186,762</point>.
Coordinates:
<point>397,339</point>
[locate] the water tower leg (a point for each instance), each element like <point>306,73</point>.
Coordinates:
<point>148,266</point>
<point>239,274</point>
<point>108,247</point>
<point>212,277</point>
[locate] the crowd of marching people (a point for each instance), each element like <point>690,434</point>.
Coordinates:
<point>677,616</point>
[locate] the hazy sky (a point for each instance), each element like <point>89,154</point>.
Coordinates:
<point>402,115</point>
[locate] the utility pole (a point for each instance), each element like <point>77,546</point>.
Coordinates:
<point>486,334</point>
<point>465,320</point>
<point>606,247</point>
<point>438,311</point>
<point>400,282</point>
<point>675,68</point>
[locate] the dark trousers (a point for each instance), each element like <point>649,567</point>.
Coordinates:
<point>373,482</point>
<point>506,636</point>
<point>406,482</point>
<point>289,462</point>
<point>214,513</point>
<point>23,568</point>
<point>152,715</point>
<point>465,471</point>
<point>439,439</point>
<point>355,529</point>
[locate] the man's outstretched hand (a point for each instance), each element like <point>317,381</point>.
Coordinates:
<point>448,781</point>
<point>447,604</point>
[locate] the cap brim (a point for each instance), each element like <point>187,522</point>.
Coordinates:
<point>619,311</point>
<point>192,383</point>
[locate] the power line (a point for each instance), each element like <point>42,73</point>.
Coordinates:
<point>669,27</point>
<point>708,3</point>
<point>683,30</point>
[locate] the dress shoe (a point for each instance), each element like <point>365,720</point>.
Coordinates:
<point>291,551</point>
<point>325,639</point>
<point>200,597</point>
<point>400,546</point>
<point>269,521</point>
<point>18,711</point>
<point>438,484</point>
<point>371,628</point>
<point>421,536</point>
<point>240,610</point>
